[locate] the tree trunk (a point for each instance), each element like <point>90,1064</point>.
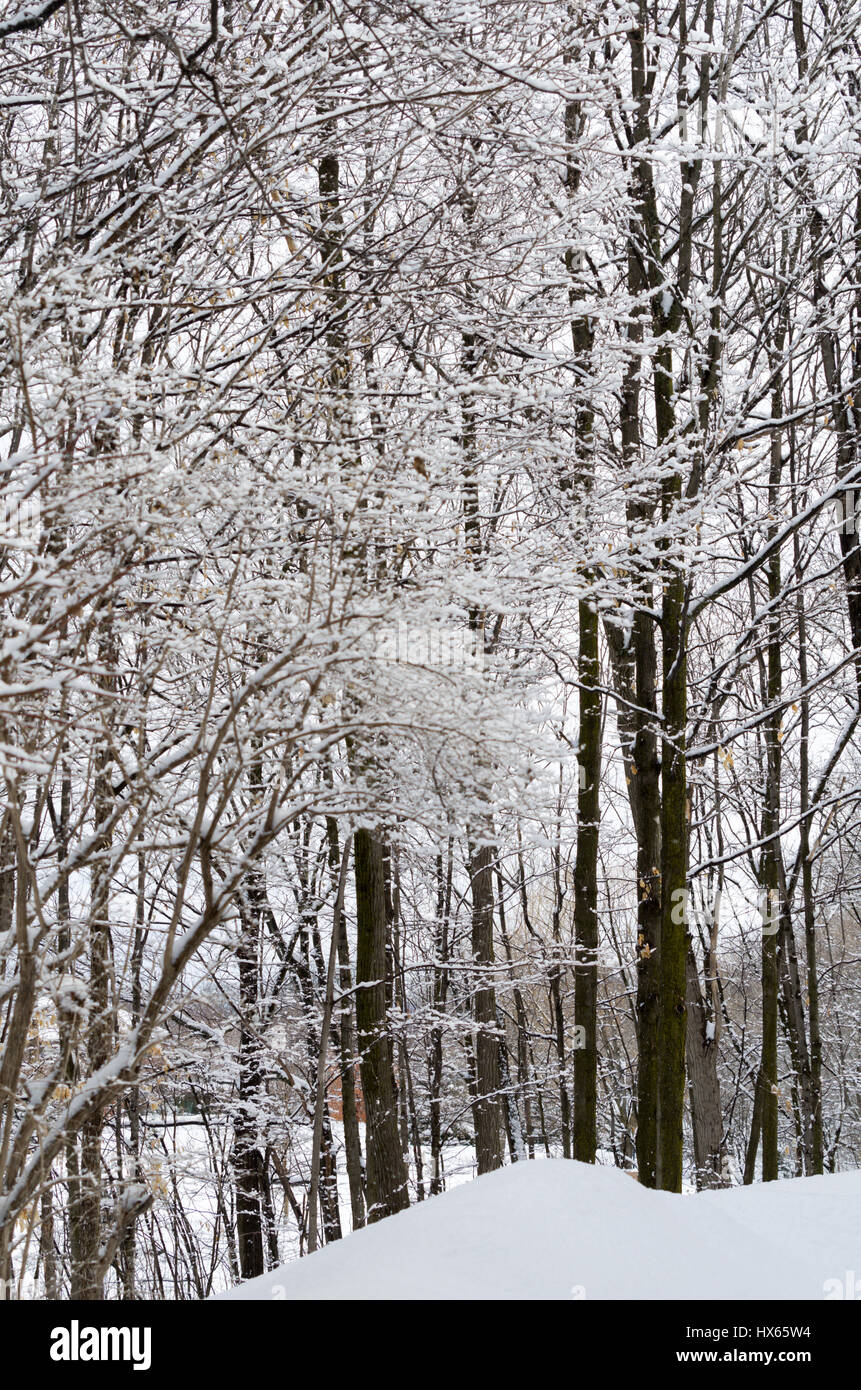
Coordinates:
<point>386,1172</point>
<point>586,893</point>
<point>440,993</point>
<point>88,1273</point>
<point>488,1143</point>
<point>707,1120</point>
<point>674,867</point>
<point>247,1154</point>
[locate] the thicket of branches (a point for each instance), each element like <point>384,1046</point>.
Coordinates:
<point>431,612</point>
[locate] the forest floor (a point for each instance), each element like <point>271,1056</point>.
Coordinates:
<point>563,1230</point>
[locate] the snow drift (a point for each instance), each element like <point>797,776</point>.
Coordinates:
<point>561,1230</point>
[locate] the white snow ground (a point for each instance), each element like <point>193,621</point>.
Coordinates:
<point>561,1230</point>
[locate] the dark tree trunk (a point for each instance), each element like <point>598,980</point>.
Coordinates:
<point>88,1272</point>
<point>247,1155</point>
<point>634,674</point>
<point>585,1121</point>
<point>674,868</point>
<point>586,893</point>
<point>345,1032</point>
<point>440,993</point>
<point>386,1172</point>
<point>488,1143</point>
<point>706,1116</point>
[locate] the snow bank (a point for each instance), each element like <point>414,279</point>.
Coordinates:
<point>560,1230</point>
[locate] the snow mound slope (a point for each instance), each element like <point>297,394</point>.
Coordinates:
<point>560,1230</point>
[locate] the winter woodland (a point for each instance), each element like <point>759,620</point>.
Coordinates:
<point>430,613</point>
